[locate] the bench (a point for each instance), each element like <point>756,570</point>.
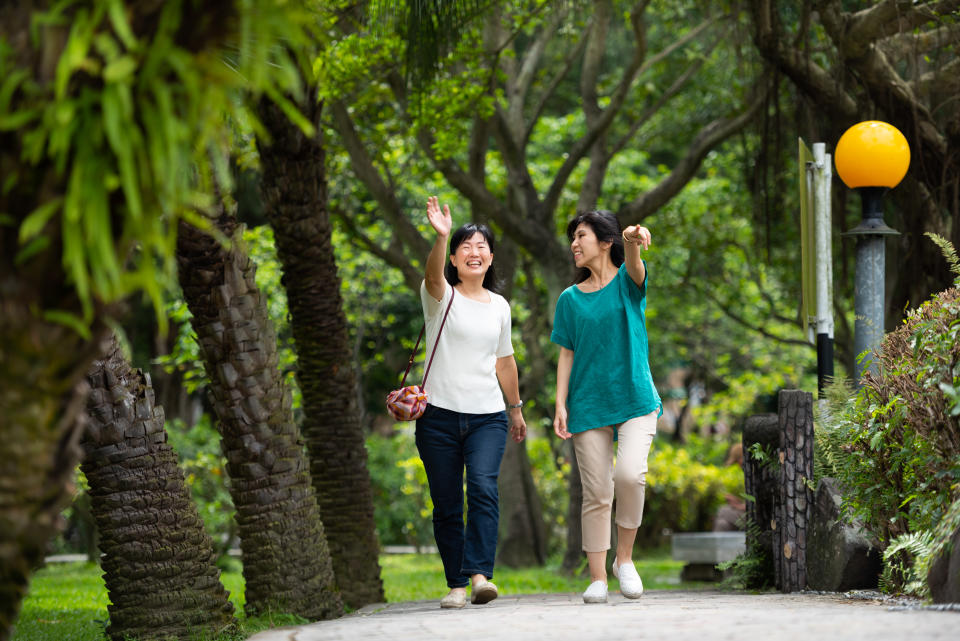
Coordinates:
<point>704,550</point>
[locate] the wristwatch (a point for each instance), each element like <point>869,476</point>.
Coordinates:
<point>513,407</point>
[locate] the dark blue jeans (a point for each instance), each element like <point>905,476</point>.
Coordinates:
<point>448,442</point>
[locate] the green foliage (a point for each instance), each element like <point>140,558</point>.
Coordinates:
<point>550,480</point>
<point>134,125</point>
<point>894,445</point>
<point>684,491</point>
<point>949,253</point>
<point>204,468</point>
<point>753,568</point>
<point>401,498</point>
<point>906,562</point>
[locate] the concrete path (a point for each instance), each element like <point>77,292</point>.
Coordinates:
<point>665,614</point>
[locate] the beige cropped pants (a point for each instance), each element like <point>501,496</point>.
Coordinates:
<point>602,480</point>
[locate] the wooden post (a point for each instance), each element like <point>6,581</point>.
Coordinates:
<point>795,415</point>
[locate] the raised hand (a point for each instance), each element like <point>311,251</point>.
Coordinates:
<point>441,220</point>
<point>637,235</point>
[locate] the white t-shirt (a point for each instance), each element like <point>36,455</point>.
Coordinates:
<point>463,377</point>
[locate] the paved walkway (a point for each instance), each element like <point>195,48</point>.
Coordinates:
<point>664,614</point>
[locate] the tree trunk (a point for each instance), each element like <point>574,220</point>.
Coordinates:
<point>574,555</point>
<point>523,542</point>
<point>295,195</point>
<point>158,561</point>
<point>42,393</point>
<point>286,562</point>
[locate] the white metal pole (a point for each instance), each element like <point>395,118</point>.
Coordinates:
<point>824,266</point>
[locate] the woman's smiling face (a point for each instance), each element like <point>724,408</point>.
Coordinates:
<point>473,257</point>
<point>585,246</point>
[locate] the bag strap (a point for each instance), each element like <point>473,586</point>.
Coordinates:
<point>416,348</point>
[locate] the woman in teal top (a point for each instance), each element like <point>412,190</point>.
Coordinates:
<point>605,392</point>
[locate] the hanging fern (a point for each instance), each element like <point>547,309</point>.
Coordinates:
<point>949,253</point>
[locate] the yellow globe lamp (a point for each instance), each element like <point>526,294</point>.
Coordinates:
<point>872,154</point>
<point>872,157</point>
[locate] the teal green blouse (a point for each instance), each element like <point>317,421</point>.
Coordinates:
<point>610,381</point>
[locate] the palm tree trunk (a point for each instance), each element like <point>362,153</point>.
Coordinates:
<point>158,561</point>
<point>42,394</point>
<point>286,561</point>
<point>294,188</point>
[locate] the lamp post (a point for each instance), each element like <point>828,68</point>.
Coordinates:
<point>871,157</point>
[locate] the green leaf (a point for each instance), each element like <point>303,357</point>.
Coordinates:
<point>38,219</point>
<point>120,69</point>
<point>78,44</point>
<point>9,85</point>
<point>69,319</point>
<point>116,11</point>
<point>17,119</point>
<point>32,248</point>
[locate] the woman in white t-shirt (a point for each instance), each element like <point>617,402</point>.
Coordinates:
<point>465,424</point>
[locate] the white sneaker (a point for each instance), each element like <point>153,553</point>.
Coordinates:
<point>630,584</point>
<point>596,593</point>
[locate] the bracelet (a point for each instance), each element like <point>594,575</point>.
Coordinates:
<point>517,406</point>
<point>633,241</point>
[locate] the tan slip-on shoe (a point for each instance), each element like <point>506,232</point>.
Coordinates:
<point>454,600</point>
<point>483,593</point>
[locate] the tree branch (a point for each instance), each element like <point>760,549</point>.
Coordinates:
<point>710,136</point>
<point>552,88</point>
<point>664,98</point>
<point>366,171</point>
<point>892,17</point>
<point>392,255</point>
<point>744,322</point>
<point>810,77</point>
<point>600,125</point>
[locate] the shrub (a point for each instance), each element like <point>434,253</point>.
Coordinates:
<point>894,445</point>
<point>401,497</point>
<point>683,491</point>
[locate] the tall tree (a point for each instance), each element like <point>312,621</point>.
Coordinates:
<point>286,561</point>
<point>891,60</point>
<point>482,125</point>
<point>295,194</point>
<point>107,112</point>
<point>158,561</point>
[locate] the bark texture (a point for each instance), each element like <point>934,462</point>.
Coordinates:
<point>286,562</point>
<point>295,197</point>
<point>158,561</point>
<point>523,540</point>
<point>796,499</point>
<point>42,394</point>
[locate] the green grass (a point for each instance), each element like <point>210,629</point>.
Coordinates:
<point>69,600</point>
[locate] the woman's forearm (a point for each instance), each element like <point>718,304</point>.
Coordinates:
<point>564,367</point>
<point>433,275</point>
<point>509,378</point>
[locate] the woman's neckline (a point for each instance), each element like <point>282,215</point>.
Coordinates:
<point>594,291</point>
<point>481,302</point>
